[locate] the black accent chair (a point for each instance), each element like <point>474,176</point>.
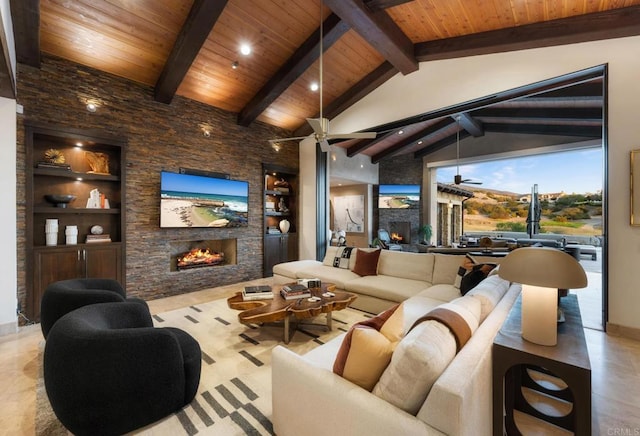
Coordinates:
<point>108,371</point>
<point>62,297</point>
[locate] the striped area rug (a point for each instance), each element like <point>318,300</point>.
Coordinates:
<point>234,396</point>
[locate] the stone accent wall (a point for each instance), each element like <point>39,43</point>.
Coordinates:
<point>403,169</point>
<point>160,137</point>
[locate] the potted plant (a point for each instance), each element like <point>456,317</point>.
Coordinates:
<point>425,231</point>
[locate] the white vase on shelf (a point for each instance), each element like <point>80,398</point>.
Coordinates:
<point>284,226</point>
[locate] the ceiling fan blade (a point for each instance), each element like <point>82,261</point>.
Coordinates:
<point>358,135</point>
<point>324,145</point>
<point>308,140</point>
<point>319,125</point>
<point>295,138</point>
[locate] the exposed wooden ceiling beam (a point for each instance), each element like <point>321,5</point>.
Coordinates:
<point>471,125</point>
<point>545,129</point>
<point>542,113</point>
<point>534,88</point>
<point>25,15</point>
<point>376,5</point>
<point>366,144</point>
<point>200,21</point>
<point>379,30</point>
<point>439,145</point>
<point>297,64</point>
<point>614,23</point>
<point>370,82</point>
<point>413,139</point>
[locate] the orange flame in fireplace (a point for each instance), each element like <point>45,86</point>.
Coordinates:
<point>200,256</point>
<point>396,237</point>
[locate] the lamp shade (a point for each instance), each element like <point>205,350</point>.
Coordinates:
<point>541,271</point>
<point>544,267</point>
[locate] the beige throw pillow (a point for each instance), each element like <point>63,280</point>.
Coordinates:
<point>417,362</point>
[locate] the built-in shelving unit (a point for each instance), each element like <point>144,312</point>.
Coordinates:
<point>75,176</point>
<point>280,207</point>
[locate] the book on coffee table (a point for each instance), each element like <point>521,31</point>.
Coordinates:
<point>261,292</point>
<point>291,292</point>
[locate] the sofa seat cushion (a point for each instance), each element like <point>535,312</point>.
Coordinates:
<point>327,274</point>
<point>443,292</point>
<point>414,266</point>
<point>290,269</point>
<point>386,287</point>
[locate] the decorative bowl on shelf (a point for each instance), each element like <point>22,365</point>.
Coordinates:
<point>60,200</point>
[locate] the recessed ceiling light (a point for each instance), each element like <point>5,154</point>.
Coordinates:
<point>245,49</point>
<point>91,107</point>
<point>400,132</point>
<point>79,144</point>
<point>314,86</point>
<point>419,142</point>
<point>235,65</point>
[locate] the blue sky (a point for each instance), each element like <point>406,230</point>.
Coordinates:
<point>202,185</point>
<point>572,172</point>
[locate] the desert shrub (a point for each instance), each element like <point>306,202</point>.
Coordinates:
<point>511,226</point>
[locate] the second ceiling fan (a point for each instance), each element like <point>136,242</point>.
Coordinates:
<point>457,179</point>
<point>320,125</point>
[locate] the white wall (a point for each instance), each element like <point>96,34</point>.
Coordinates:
<point>8,274</point>
<point>443,83</point>
<point>307,199</point>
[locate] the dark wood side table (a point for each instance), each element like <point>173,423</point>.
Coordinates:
<point>514,357</point>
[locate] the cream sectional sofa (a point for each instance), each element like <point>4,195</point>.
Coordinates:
<point>309,398</point>
<point>401,275</point>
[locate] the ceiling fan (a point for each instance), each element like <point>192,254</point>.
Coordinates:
<point>457,179</point>
<point>320,125</point>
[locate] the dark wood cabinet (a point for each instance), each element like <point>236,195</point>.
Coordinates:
<point>548,385</point>
<point>80,163</point>
<point>52,264</point>
<point>280,216</point>
<point>278,249</point>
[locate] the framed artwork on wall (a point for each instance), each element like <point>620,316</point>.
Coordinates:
<point>635,188</point>
<point>349,213</point>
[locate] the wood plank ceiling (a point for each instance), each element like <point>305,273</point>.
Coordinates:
<point>188,48</point>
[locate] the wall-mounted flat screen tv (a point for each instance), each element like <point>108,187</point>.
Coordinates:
<point>398,196</point>
<point>199,201</point>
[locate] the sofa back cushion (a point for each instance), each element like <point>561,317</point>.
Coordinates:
<point>415,266</point>
<point>445,268</point>
<point>489,291</point>
<point>425,351</point>
<point>417,362</point>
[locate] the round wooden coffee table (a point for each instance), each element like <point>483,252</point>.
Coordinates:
<point>279,309</point>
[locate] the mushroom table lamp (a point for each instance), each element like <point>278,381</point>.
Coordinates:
<point>541,271</point>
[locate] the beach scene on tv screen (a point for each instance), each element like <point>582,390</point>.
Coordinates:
<point>198,201</point>
<point>399,196</point>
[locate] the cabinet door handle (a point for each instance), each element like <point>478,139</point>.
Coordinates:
<point>78,255</point>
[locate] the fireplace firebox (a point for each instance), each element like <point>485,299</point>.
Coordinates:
<point>188,255</point>
<point>400,232</point>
